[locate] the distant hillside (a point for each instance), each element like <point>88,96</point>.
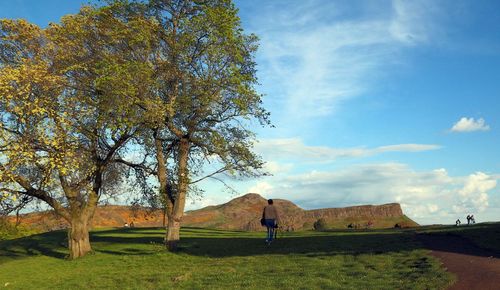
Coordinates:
<point>242,213</point>
<point>105,216</point>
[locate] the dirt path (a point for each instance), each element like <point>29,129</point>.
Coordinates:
<point>475,268</point>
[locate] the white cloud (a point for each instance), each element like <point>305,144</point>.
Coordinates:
<point>432,208</point>
<point>261,188</point>
<point>474,193</point>
<point>314,57</point>
<point>273,167</point>
<point>294,148</point>
<point>427,196</point>
<point>414,21</point>
<point>470,125</point>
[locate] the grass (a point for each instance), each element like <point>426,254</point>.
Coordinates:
<point>483,235</point>
<point>216,259</point>
<point>9,231</point>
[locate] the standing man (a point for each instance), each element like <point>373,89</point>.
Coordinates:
<point>271,219</point>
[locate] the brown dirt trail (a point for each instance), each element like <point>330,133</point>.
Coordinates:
<point>475,268</point>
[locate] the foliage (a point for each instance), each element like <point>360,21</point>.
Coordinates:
<point>67,107</point>
<point>201,100</point>
<point>176,78</point>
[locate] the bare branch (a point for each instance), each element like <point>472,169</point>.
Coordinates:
<point>220,170</point>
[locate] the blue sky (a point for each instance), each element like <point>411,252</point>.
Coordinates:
<point>373,102</point>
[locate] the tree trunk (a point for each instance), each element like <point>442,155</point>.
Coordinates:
<point>164,216</point>
<point>78,237</point>
<point>175,216</point>
<point>172,236</point>
<point>18,219</point>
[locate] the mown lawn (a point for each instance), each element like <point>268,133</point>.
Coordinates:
<point>213,259</point>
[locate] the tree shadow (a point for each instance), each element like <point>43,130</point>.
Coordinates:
<point>311,246</point>
<point>220,243</point>
<point>448,242</point>
<point>51,244</point>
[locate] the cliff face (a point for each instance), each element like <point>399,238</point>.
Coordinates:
<point>242,213</point>
<point>366,211</point>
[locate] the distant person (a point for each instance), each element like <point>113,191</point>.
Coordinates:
<point>472,220</point>
<point>271,219</point>
<point>132,224</point>
<point>458,222</point>
<point>468,219</point>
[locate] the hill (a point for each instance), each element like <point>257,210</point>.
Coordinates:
<point>242,213</point>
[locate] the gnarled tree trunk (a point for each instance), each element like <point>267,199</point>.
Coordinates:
<point>78,237</point>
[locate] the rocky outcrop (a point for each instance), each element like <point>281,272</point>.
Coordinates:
<point>368,211</point>
<point>242,213</point>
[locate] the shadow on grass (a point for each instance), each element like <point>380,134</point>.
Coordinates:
<point>211,243</point>
<point>309,246</point>
<point>220,243</point>
<point>47,244</point>
<point>214,243</point>
<point>476,240</point>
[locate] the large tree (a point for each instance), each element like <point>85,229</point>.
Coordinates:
<point>67,109</point>
<point>205,99</point>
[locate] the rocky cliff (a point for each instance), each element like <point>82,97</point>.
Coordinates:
<point>242,213</point>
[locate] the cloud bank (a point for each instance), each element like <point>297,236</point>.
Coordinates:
<point>429,196</point>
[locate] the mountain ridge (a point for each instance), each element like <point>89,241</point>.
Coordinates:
<point>241,213</point>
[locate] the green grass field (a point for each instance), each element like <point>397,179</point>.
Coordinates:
<point>483,235</point>
<point>214,259</point>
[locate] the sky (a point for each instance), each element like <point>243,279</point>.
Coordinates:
<point>372,102</point>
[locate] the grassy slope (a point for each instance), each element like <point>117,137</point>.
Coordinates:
<point>9,231</point>
<point>213,259</point>
<point>484,235</point>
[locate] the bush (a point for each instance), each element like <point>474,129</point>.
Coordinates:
<point>7,230</point>
<point>10,231</point>
<point>320,225</point>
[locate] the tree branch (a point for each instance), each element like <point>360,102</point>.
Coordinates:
<point>220,170</point>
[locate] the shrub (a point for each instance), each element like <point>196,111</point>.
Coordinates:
<point>320,225</point>
<point>10,231</point>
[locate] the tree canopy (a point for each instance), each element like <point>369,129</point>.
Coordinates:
<point>175,78</point>
<point>66,109</point>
